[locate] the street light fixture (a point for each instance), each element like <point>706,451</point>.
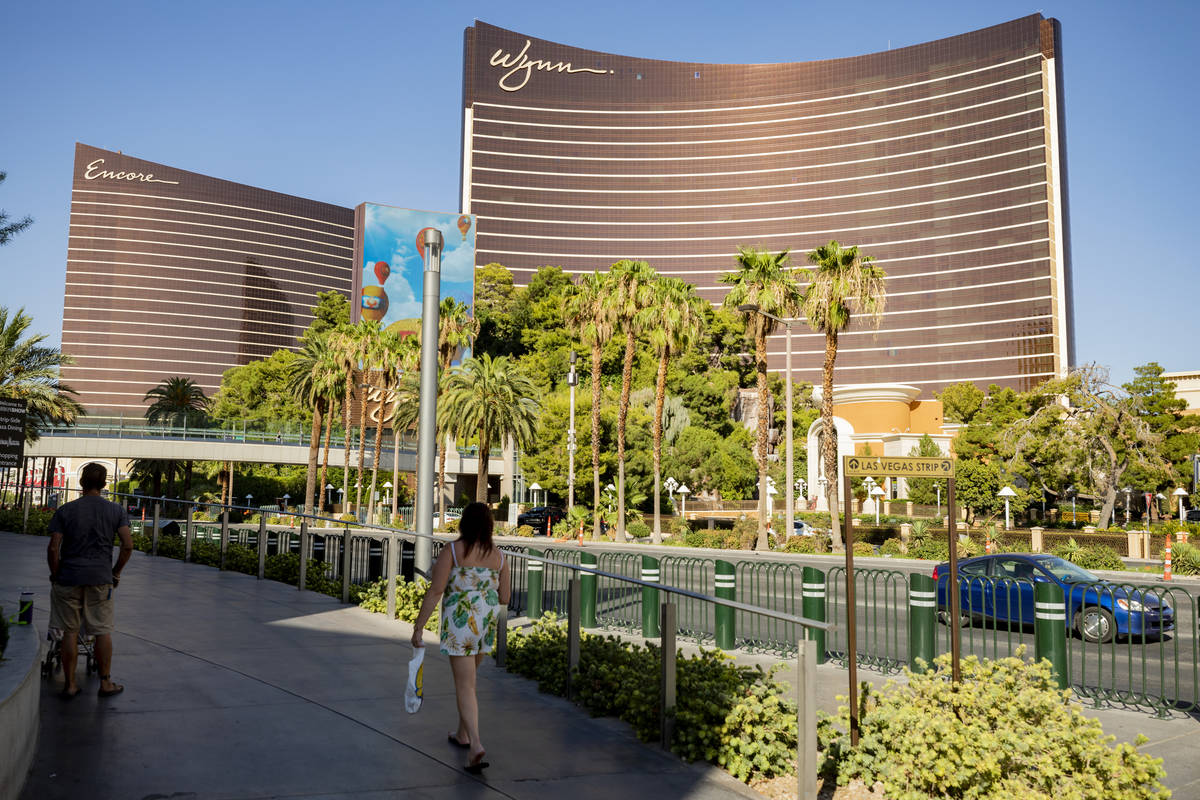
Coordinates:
<point>877,493</point>
<point>1180,493</point>
<point>533,487</point>
<point>1127,490</point>
<point>684,491</point>
<point>790,507</point>
<point>1071,491</point>
<point>1007,493</point>
<point>387,493</point>
<point>329,493</point>
<point>670,484</point>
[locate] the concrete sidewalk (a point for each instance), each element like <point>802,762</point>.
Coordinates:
<point>239,688</point>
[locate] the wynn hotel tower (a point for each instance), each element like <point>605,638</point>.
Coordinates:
<point>944,161</point>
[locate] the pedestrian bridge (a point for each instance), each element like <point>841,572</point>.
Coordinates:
<point>241,441</point>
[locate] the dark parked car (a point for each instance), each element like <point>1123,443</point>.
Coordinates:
<point>536,517</point>
<point>1001,587</point>
<point>1193,515</point>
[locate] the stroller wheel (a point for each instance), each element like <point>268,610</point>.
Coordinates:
<point>91,665</point>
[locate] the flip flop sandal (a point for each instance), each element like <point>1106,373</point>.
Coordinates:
<point>453,739</point>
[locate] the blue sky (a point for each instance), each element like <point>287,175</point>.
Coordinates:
<point>361,101</point>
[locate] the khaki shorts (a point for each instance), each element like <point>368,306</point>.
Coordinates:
<point>93,603</point>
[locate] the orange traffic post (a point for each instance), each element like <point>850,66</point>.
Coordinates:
<point>1167,559</point>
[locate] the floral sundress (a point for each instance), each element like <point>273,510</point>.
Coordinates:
<point>469,609</point>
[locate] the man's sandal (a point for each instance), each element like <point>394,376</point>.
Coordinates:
<point>117,689</point>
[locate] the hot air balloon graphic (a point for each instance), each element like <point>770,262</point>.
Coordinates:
<point>382,270</point>
<point>464,225</point>
<point>421,241</point>
<point>374,303</point>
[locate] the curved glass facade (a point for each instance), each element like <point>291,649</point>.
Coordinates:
<point>170,273</point>
<point>943,161</point>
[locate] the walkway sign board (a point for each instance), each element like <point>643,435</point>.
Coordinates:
<point>898,466</point>
<point>12,433</point>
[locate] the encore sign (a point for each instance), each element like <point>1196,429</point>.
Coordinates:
<point>897,466</point>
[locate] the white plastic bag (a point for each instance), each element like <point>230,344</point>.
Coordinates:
<point>415,689</point>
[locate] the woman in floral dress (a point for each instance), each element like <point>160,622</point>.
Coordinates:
<point>471,579</point>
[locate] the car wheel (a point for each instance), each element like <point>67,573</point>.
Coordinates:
<point>1095,624</point>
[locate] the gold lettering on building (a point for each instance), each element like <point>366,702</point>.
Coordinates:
<point>521,66</point>
<point>95,170</point>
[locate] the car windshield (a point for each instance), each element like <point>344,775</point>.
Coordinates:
<point>1065,571</point>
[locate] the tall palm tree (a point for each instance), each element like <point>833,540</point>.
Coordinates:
<point>495,400</point>
<point>591,319</point>
<point>314,372</point>
<point>762,279</point>
<point>456,330</point>
<point>674,321</point>
<point>345,344</point>
<point>29,372</point>
<point>395,356</point>
<point>632,284</point>
<point>842,282</point>
<point>177,401</point>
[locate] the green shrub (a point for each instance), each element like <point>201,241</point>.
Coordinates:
<point>11,519</point>
<point>452,525</point>
<point>1185,558</point>
<point>1098,557</point>
<point>506,530</point>
<point>524,530</point>
<point>800,544</point>
<point>930,548</point>
<point>638,529</point>
<point>409,597</point>
<point>891,547</point>
<point>864,548</point>
<point>733,716</point>
<point>1005,731</point>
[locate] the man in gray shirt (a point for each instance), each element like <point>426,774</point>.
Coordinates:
<point>82,574</point>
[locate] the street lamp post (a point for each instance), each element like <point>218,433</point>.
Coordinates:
<point>1071,491</point>
<point>868,484</point>
<point>771,492</point>
<point>1007,493</point>
<point>800,487</point>
<point>1127,490</point>
<point>533,487</point>
<point>790,505</point>
<point>329,493</point>
<point>387,493</point>
<point>877,493</point>
<point>670,484</point>
<point>683,493</point>
<point>1180,493</point>
<point>572,381</point>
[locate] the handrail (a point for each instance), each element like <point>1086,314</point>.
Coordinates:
<point>734,604</point>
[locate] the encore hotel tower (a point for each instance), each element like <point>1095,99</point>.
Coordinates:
<point>172,273</point>
<point>944,161</point>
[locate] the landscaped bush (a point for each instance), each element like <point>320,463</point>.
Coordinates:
<point>409,597</point>
<point>11,520</point>
<point>891,547</point>
<point>523,530</point>
<point>864,549</point>
<point>1185,558</point>
<point>716,538</point>
<point>800,544</point>
<point>1098,557</point>
<point>638,529</point>
<point>1005,731</point>
<point>735,717</point>
<point>930,548</point>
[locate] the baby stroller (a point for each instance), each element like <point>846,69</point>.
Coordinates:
<point>53,661</point>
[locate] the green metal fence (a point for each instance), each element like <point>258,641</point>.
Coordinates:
<point>696,618</point>
<point>777,586</point>
<point>881,613</point>
<point>619,604</point>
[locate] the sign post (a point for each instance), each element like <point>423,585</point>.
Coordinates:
<point>898,467</point>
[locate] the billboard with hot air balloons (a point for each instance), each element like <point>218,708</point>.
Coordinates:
<point>390,275</point>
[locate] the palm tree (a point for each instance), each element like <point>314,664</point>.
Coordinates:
<point>764,280</point>
<point>345,345</point>
<point>314,372</point>
<point>674,320</point>
<point>29,371</point>
<point>590,317</point>
<point>496,401</point>
<point>632,284</point>
<point>396,356</point>
<point>177,401</point>
<point>843,281</point>
<point>456,330</point>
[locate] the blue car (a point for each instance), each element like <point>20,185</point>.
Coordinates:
<point>1001,586</point>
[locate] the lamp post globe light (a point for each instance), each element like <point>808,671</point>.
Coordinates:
<point>670,484</point>
<point>877,493</point>
<point>1180,493</point>
<point>1127,490</point>
<point>1007,493</point>
<point>790,506</point>
<point>1159,497</point>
